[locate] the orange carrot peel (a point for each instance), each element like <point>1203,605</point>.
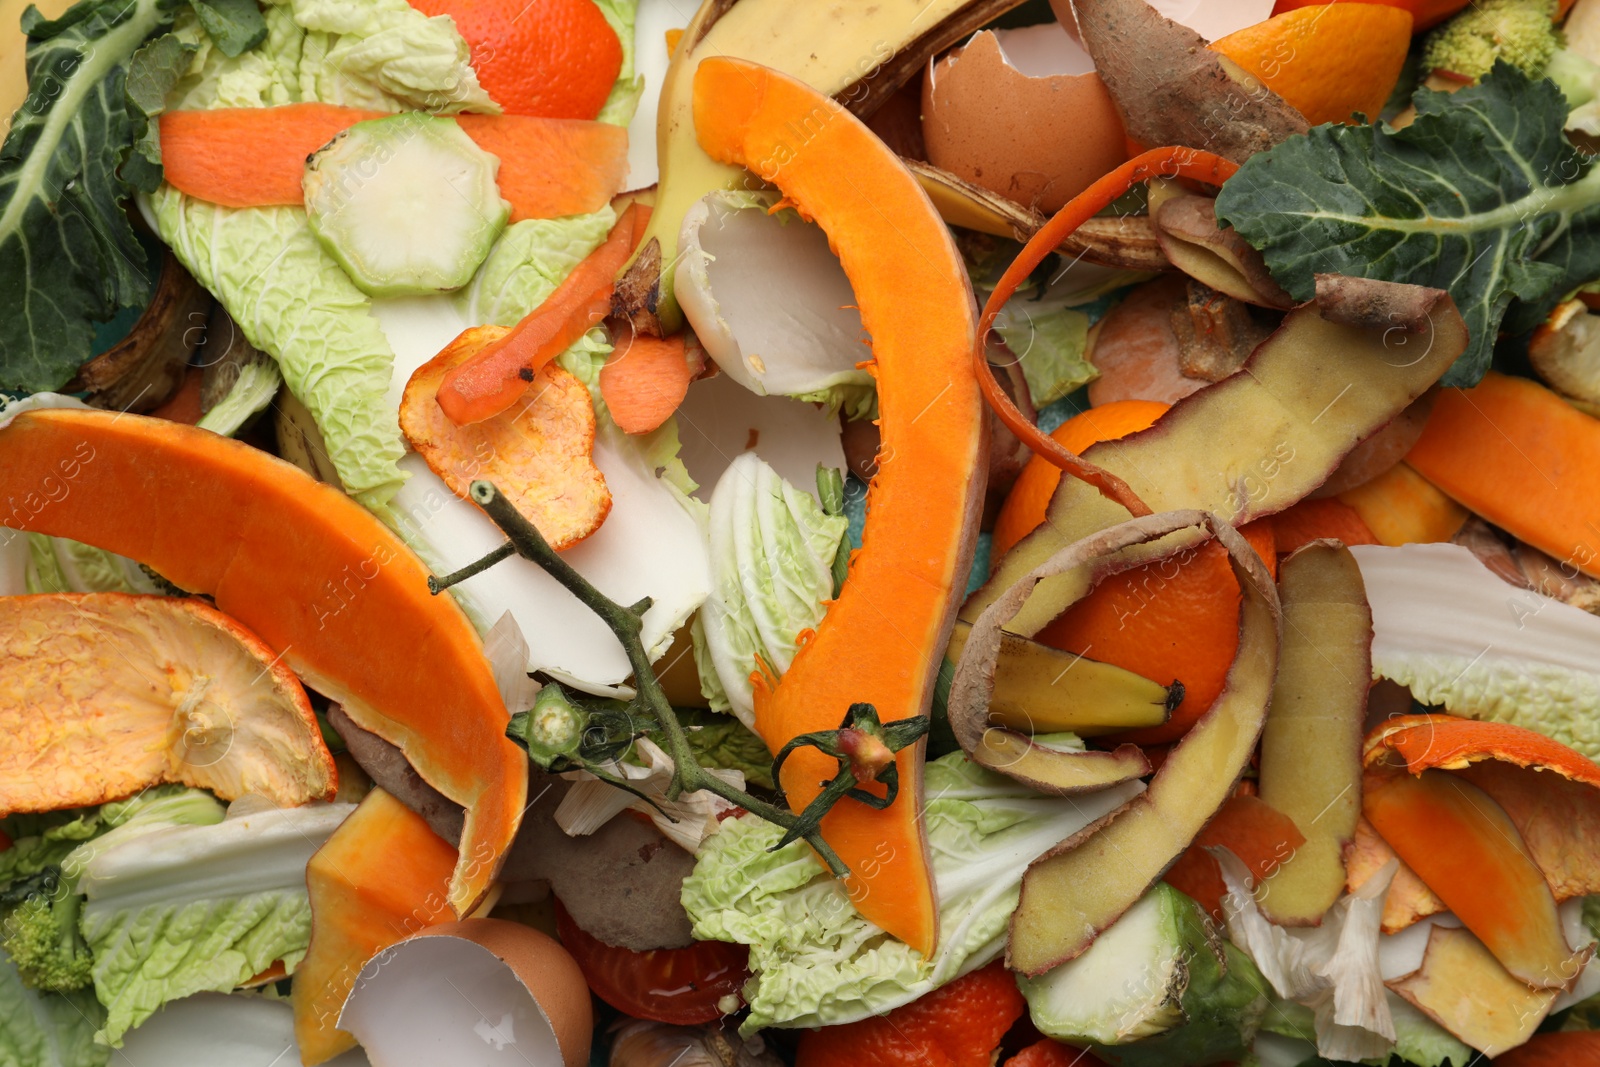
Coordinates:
<point>492,380</point>
<point>256,156</point>
<point>645,379</point>
<point>1188,163</point>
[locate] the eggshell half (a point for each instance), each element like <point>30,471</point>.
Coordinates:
<point>477,993</point>
<point>1022,114</point>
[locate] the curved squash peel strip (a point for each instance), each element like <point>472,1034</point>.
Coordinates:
<point>1550,792</point>
<point>380,878</point>
<point>316,576</point>
<point>1080,887</point>
<point>539,452</point>
<point>882,639</point>
<point>105,694</point>
<point>1452,743</point>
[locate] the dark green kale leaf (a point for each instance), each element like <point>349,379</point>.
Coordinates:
<point>1482,195</point>
<point>235,26</point>
<point>68,256</point>
<point>152,72</point>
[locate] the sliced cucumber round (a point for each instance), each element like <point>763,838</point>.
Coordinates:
<point>407,204</point>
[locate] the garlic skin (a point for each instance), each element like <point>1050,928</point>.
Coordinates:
<point>640,1043</point>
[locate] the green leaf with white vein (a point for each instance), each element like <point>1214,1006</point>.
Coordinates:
<point>1482,196</point>
<point>68,257</point>
<point>292,301</point>
<point>47,1029</point>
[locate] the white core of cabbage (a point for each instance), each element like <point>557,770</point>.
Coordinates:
<point>649,545</point>
<point>767,298</point>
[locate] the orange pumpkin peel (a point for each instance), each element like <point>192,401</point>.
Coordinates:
<point>317,577</point>
<point>882,639</point>
<point>380,878</point>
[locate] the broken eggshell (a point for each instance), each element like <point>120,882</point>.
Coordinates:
<point>768,298</point>
<point>720,420</point>
<point>472,994</point>
<point>1023,114</point>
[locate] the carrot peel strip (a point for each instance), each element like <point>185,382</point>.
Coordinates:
<point>491,381</point>
<point>1189,163</point>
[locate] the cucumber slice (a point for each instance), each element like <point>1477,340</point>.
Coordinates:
<point>1158,987</point>
<point>406,204</point>
<point>1128,984</point>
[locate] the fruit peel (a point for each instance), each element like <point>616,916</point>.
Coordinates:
<point>105,694</point>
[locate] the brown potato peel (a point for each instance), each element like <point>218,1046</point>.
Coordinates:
<point>1080,887</point>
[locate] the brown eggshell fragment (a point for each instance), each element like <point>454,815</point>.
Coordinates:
<point>1022,114</point>
<point>472,994</point>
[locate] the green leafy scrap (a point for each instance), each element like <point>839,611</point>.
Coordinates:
<point>152,73</point>
<point>235,26</point>
<point>68,256</point>
<point>47,1029</point>
<point>1482,195</point>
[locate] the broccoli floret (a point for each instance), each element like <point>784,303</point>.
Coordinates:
<point>1521,32</point>
<point>41,935</point>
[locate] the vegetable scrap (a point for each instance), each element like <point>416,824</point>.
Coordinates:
<point>1028,534</point>
<point>90,724</point>
<point>541,451</point>
<point>257,157</point>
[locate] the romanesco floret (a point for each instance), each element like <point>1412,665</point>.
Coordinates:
<point>1521,32</point>
<point>41,936</point>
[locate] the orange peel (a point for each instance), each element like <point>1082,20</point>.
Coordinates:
<point>539,452</point>
<point>105,694</point>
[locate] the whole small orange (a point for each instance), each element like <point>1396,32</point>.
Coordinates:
<point>554,59</point>
<point>1025,505</point>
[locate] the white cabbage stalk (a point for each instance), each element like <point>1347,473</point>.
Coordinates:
<point>687,821</point>
<point>1332,968</point>
<point>1446,628</point>
<point>508,654</point>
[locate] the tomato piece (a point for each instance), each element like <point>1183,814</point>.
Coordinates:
<point>1048,1053</point>
<point>667,985</point>
<point>956,1025</point>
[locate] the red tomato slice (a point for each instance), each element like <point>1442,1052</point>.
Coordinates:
<point>668,985</point>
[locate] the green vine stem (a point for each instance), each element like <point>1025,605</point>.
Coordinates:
<point>862,745</point>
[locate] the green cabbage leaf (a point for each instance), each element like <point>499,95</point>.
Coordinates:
<point>816,961</point>
<point>1445,627</point>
